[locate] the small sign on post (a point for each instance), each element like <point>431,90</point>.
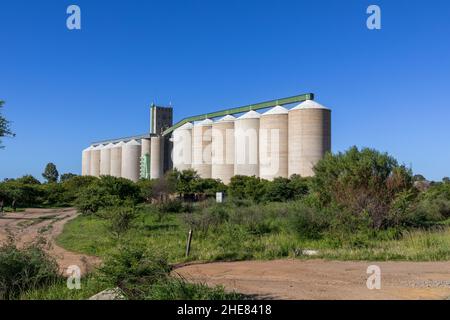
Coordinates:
<point>219,197</point>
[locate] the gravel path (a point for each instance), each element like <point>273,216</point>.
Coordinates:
<point>330,280</point>
<point>30,225</point>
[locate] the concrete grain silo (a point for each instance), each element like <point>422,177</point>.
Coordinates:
<point>131,156</point>
<point>201,148</point>
<point>94,164</point>
<point>85,161</point>
<point>182,147</point>
<point>309,136</point>
<point>246,132</point>
<point>116,160</point>
<point>273,143</point>
<point>145,147</point>
<point>157,158</point>
<point>105,160</point>
<point>222,149</point>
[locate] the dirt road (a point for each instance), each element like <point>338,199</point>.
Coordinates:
<point>283,279</point>
<point>28,226</point>
<point>318,279</point>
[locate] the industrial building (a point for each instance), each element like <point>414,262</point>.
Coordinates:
<point>288,136</point>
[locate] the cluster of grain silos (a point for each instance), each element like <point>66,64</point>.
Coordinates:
<point>277,143</point>
<point>123,158</point>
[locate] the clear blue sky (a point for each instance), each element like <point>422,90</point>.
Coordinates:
<point>389,89</point>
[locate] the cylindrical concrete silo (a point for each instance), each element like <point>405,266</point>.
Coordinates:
<point>246,132</point>
<point>157,157</point>
<point>222,149</point>
<point>182,147</point>
<point>131,156</point>
<point>309,136</point>
<point>273,143</point>
<point>201,148</point>
<point>105,160</point>
<point>85,161</point>
<point>145,146</point>
<point>116,160</point>
<point>94,164</point>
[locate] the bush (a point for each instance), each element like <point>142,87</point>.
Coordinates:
<point>244,187</point>
<point>307,222</point>
<point>25,269</point>
<point>93,198</point>
<point>361,181</point>
<point>120,219</point>
<point>133,269</point>
<point>107,192</point>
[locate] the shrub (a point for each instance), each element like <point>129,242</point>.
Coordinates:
<point>120,218</point>
<point>307,222</point>
<point>361,181</point>
<point>106,192</point>
<point>133,268</point>
<point>244,187</point>
<point>92,198</point>
<point>209,218</point>
<point>25,269</point>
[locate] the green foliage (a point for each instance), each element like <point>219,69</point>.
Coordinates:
<point>51,173</point>
<point>67,176</point>
<point>244,187</point>
<point>361,181</point>
<point>145,274</point>
<point>28,179</point>
<point>435,202</point>
<point>25,269</point>
<point>133,268</point>
<point>19,194</point>
<point>107,191</point>
<point>188,184</point>
<point>5,125</point>
<point>120,219</point>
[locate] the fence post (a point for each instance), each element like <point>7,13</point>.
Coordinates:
<point>188,245</point>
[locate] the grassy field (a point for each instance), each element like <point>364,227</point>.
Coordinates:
<point>90,235</point>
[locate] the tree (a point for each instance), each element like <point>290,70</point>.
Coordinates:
<point>5,128</point>
<point>419,177</point>
<point>67,176</point>
<point>363,181</point>
<point>50,174</point>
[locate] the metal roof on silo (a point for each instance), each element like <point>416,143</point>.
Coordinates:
<point>276,110</point>
<point>227,118</point>
<point>186,126</point>
<point>309,104</point>
<point>250,115</point>
<point>206,122</point>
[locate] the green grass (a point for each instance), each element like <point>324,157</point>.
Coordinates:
<point>172,288</point>
<point>90,235</point>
